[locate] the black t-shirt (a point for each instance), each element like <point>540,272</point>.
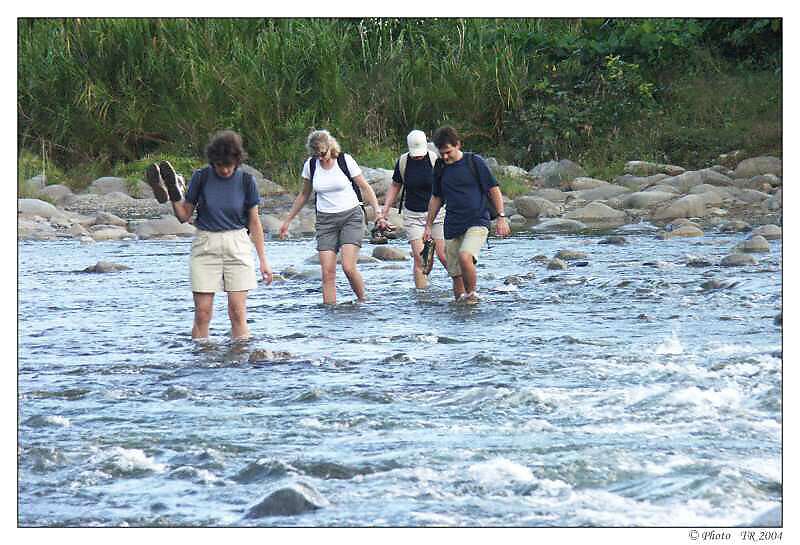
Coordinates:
<point>418,182</point>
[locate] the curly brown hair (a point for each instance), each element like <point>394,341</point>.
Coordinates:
<point>446,135</point>
<point>226,147</point>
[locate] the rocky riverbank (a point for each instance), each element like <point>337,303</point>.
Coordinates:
<point>737,195</point>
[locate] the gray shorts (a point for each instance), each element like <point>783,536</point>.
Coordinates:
<point>339,228</point>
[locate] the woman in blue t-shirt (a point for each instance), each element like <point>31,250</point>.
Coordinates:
<point>226,199</point>
<point>414,170</point>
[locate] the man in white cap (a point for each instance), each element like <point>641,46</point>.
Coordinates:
<point>413,173</point>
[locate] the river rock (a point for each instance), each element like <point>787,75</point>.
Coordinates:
<point>645,168</point>
<point>581,183</point>
<point>559,225</point>
<point>36,207</point>
<point>295,499</point>
<point>378,178</point>
<point>725,171</point>
<point>615,239</point>
<point>272,225</point>
<point>105,267</point>
<point>554,173</point>
<point>534,207</point>
<point>551,194</point>
<point>109,232</point>
<point>597,213</point>
<point>690,206</point>
<point>759,165</point>
<point>106,218</point>
<point>751,196</point>
<point>570,255</point>
<point>734,226</point>
<point>738,260</point>
<point>163,227</point>
<point>754,244</point>
<point>731,158</point>
<point>775,202</point>
<point>35,228</point>
<point>389,253</point>
<point>638,183</point>
<point>769,232</point>
<point>556,264</point>
<point>517,221</point>
<point>646,199</point>
<point>56,193</point>
<point>607,191</point>
<point>686,231</point>
<point>108,184</point>
<point>663,188</point>
<point>511,171</point>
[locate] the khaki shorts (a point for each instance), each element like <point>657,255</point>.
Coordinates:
<point>338,228</point>
<point>471,242</point>
<point>414,224</point>
<point>222,261</point>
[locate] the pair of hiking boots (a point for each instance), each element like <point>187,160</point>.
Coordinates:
<point>382,235</point>
<point>165,182</point>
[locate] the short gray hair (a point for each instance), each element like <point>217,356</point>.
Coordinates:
<point>321,141</point>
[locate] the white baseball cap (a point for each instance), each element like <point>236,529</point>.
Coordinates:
<point>417,143</point>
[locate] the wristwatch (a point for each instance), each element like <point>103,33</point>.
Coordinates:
<point>502,215</point>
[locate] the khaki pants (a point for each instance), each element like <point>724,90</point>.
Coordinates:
<point>471,242</point>
<point>222,261</point>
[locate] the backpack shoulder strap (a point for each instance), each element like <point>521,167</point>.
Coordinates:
<point>312,167</point>
<point>402,165</point>
<point>432,157</point>
<point>342,162</point>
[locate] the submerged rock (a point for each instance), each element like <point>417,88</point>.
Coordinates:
<point>559,225</point>
<point>615,239</point>
<point>556,264</point>
<point>569,255</point>
<point>769,232</point>
<point>295,499</point>
<point>389,253</point>
<point>738,260</point>
<point>754,244</point>
<point>105,267</point>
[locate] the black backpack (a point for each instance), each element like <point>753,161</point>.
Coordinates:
<point>204,172</point>
<point>438,170</point>
<point>312,166</point>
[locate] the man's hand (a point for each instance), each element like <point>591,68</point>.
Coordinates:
<point>502,228</point>
<point>426,234</point>
<point>266,273</point>
<point>284,230</point>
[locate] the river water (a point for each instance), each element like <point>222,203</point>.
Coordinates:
<point>620,393</point>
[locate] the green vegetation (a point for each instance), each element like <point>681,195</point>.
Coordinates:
<point>107,96</point>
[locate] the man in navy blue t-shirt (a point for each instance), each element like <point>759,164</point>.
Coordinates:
<point>466,189</point>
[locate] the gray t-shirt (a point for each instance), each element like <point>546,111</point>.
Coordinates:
<point>225,201</point>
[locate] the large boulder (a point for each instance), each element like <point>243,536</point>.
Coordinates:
<point>551,194</point>
<point>646,199</point>
<point>164,226</point>
<point>265,186</point>
<point>775,202</point>
<point>109,232</point>
<point>645,168</point>
<point>769,232</point>
<point>754,244</point>
<point>36,207</point>
<point>109,184</point>
<point>379,178</point>
<point>638,183</point>
<point>690,206</point>
<point>35,228</point>
<point>596,214</point>
<point>581,183</point>
<point>535,207</point>
<point>105,267</point>
<point>559,225</point>
<point>738,260</point>
<point>759,165</point>
<point>106,218</point>
<point>389,253</point>
<point>554,173</point>
<point>56,193</point>
<point>295,499</point>
<point>604,192</point>
<point>751,196</point>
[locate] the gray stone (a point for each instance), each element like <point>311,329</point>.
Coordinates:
<point>109,184</point>
<point>295,499</point>
<point>734,226</point>
<point>37,182</point>
<point>105,267</point>
<point>29,228</point>
<point>554,173</point>
<point>751,196</point>
<point>690,206</point>
<point>389,253</point>
<point>581,183</point>
<point>556,264</point>
<point>754,244</point>
<point>600,193</point>
<point>738,260</point>
<point>109,232</point>
<point>759,165</point>
<point>559,225</point>
<point>731,159</point>
<point>56,193</point>
<point>663,188</point>
<point>36,207</point>
<point>106,218</point>
<point>595,213</point>
<point>638,183</point>
<point>722,170</point>
<point>775,202</point>
<point>570,255</point>
<point>552,195</point>
<point>769,232</point>
<point>615,239</point>
<point>534,207</point>
<point>645,168</point>
<point>164,226</point>
<point>686,231</point>
<point>77,230</point>
<point>512,171</point>
<point>379,178</point>
<point>517,221</point>
<point>272,225</point>
<point>646,199</point>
